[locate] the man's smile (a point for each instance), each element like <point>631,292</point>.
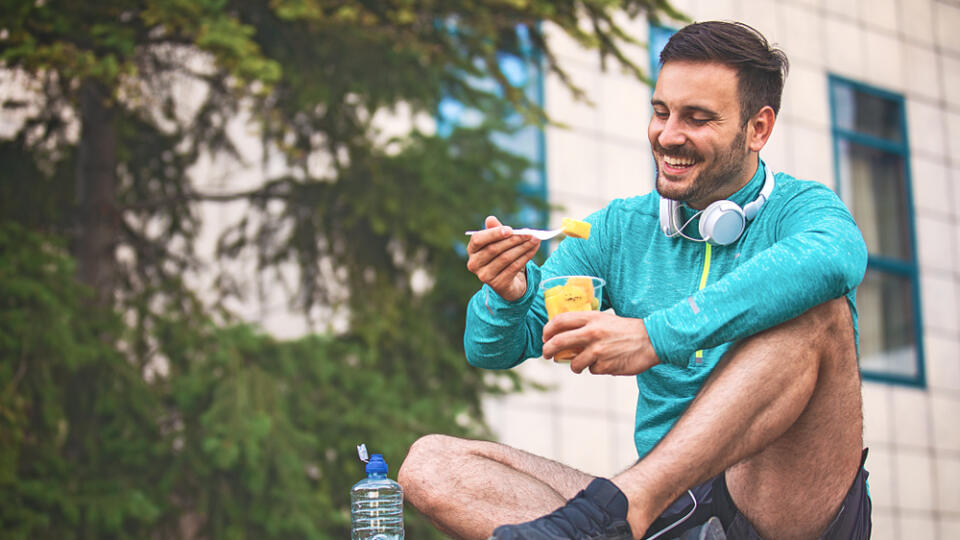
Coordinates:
<point>672,165</point>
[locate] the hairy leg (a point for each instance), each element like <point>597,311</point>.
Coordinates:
<point>467,488</point>
<point>782,415</point>
<point>802,477</point>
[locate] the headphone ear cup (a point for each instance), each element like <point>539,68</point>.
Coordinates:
<point>667,216</point>
<point>722,223</point>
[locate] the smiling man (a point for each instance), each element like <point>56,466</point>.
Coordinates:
<point>730,297</point>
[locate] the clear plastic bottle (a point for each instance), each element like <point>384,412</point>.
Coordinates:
<point>376,505</point>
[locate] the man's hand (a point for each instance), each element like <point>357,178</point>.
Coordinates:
<point>498,258</point>
<point>608,344</point>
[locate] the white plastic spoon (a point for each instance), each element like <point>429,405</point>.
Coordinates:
<point>536,233</point>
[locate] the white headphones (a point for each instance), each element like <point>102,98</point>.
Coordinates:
<point>722,222</point>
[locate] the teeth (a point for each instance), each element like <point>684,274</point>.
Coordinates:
<point>678,162</point>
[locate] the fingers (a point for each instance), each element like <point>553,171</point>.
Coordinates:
<point>574,331</point>
<point>492,231</point>
<point>564,322</point>
<point>507,263</point>
<point>486,237</point>
<point>583,361</point>
<point>502,259</point>
<point>482,256</point>
<point>570,334</point>
<point>604,343</point>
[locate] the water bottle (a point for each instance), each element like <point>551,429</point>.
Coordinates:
<point>376,503</point>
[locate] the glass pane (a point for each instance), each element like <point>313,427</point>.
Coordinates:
<point>887,340</point>
<point>659,36</point>
<point>514,69</point>
<point>866,113</point>
<point>522,71</point>
<point>874,185</point>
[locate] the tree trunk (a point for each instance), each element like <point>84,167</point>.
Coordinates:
<point>97,230</point>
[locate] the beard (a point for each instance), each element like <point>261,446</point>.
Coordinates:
<point>726,171</point>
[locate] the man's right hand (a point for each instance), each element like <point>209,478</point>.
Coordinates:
<point>498,258</point>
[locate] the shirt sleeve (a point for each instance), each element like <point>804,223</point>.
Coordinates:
<point>817,254</point>
<point>501,334</point>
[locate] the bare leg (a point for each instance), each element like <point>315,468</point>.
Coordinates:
<point>782,414</point>
<point>468,488</point>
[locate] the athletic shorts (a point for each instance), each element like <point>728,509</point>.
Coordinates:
<point>713,499</point>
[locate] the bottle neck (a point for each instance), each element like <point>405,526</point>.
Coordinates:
<point>377,475</point>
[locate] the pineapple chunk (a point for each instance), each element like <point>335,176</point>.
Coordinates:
<point>572,298</point>
<point>575,228</point>
<point>554,290</point>
<point>584,283</point>
<point>577,294</point>
<point>553,305</point>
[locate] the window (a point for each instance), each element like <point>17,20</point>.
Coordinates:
<point>659,35</point>
<point>872,165</point>
<point>524,72</point>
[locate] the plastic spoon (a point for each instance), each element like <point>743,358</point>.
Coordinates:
<point>536,233</point>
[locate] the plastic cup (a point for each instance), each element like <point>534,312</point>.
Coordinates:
<point>563,294</point>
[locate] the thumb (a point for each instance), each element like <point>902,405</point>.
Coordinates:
<point>491,222</point>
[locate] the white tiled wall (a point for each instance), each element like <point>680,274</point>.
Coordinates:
<point>907,46</point>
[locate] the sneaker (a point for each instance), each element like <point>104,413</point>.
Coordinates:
<point>596,513</point>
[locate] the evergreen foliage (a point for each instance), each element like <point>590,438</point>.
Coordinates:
<point>133,404</point>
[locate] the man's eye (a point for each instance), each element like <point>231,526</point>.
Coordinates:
<point>660,114</point>
<point>699,121</point>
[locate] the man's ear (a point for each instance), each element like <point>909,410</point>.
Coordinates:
<point>759,128</point>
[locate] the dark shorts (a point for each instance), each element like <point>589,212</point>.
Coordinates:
<point>713,499</point>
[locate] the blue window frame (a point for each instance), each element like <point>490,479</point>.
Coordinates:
<point>523,71</point>
<point>659,35</point>
<point>872,167</point>
<point>657,40</point>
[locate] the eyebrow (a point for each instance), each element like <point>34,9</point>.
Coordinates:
<point>687,108</point>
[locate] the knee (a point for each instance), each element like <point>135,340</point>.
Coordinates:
<point>823,331</point>
<point>418,473</point>
<point>833,322</point>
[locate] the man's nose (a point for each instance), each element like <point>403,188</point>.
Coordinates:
<point>671,134</point>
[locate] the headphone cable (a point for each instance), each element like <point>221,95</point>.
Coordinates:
<point>679,521</point>
<point>680,230</point>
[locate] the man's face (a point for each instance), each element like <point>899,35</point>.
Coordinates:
<point>697,138</point>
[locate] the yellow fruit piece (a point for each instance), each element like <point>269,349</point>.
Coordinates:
<point>576,295</point>
<point>584,283</point>
<point>575,228</point>
<point>552,291</point>
<point>573,298</point>
<point>553,305</point>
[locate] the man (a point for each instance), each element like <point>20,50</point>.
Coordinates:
<point>743,346</point>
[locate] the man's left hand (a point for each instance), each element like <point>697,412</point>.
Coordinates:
<point>606,343</point>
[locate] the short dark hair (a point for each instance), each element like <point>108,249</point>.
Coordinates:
<point>761,68</point>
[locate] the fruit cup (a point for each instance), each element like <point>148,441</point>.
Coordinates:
<point>571,293</point>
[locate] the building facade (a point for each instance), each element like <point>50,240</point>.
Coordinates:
<point>871,109</point>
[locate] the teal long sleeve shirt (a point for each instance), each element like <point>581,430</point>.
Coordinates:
<point>696,300</point>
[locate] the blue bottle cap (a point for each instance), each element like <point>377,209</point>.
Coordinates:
<point>377,464</point>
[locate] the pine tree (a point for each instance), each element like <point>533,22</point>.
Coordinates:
<point>133,404</point>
